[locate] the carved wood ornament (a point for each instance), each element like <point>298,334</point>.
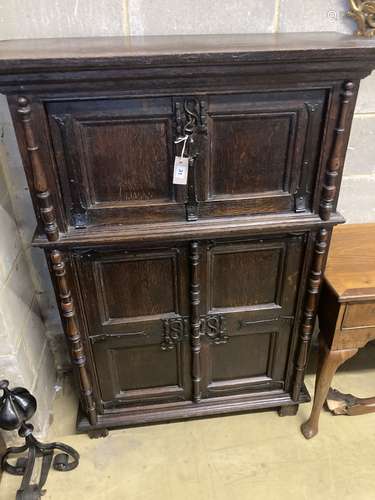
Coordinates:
<point>191,120</point>
<point>213,326</point>
<point>363,13</point>
<point>73,334</point>
<point>42,193</point>
<point>174,332</point>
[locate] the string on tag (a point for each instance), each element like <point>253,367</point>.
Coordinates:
<point>184,140</point>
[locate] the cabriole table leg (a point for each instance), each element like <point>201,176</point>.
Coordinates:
<point>329,362</point>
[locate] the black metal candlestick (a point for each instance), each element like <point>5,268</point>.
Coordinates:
<point>17,406</point>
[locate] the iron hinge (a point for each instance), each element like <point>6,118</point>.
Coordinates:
<point>300,202</point>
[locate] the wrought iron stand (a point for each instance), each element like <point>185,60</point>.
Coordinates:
<point>17,406</point>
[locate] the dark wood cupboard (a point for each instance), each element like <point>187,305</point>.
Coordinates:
<point>200,298</point>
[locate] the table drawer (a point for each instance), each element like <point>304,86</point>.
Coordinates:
<point>359,316</point>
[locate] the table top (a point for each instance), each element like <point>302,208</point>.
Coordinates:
<point>350,270</point>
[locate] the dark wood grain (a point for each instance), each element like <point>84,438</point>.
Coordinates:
<point>237,275</point>
<point>115,156</point>
<point>70,52</point>
<point>273,155</point>
<point>258,314</point>
<point>144,175</point>
<point>183,301</point>
<point>253,160</point>
<point>127,312</point>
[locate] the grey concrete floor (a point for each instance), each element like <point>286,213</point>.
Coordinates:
<point>253,456</point>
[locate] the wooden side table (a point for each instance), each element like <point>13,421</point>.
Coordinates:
<point>346,310</point>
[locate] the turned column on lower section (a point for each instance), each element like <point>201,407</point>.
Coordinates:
<point>195,321</point>
<point>310,309</point>
<point>73,334</point>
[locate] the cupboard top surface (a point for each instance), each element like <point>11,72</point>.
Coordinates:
<point>66,53</point>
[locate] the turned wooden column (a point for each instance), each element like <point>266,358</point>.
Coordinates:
<point>337,157</point>
<point>43,196</point>
<point>73,334</point>
<point>195,321</point>
<point>310,309</point>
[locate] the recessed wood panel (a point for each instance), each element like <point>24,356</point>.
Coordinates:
<point>115,160</point>
<point>245,356</point>
<point>262,152</point>
<point>250,154</point>
<point>133,292</point>
<point>244,276</point>
<point>138,287</point>
<point>134,153</point>
<point>137,371</point>
<point>144,367</point>
<point>136,304</point>
<point>252,286</point>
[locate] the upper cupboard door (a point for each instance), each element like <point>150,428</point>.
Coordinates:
<point>115,159</point>
<point>263,152</point>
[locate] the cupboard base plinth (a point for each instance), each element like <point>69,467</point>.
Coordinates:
<point>128,418</point>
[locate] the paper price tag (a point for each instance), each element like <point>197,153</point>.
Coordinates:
<point>180,171</point>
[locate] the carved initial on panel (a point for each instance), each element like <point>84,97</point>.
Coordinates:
<point>214,327</point>
<point>174,332</point>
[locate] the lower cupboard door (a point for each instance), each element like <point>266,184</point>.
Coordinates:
<point>253,360</point>
<point>137,310</point>
<point>137,372</point>
<point>249,293</point>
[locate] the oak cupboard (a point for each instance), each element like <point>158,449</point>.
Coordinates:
<point>184,300</point>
